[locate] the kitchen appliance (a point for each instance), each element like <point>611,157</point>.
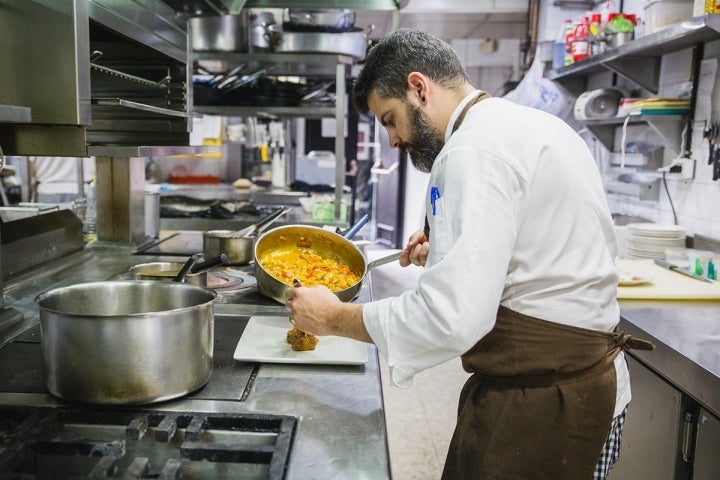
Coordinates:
<point>597,104</point>
<point>120,77</point>
<point>186,438</point>
<point>66,442</point>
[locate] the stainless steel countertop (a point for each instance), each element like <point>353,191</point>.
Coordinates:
<point>687,344</point>
<point>341,421</point>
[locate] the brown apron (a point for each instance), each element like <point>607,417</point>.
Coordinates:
<point>540,402</point>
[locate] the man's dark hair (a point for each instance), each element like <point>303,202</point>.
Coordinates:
<point>388,64</point>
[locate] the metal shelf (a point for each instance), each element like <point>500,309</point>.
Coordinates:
<point>298,64</point>
<point>639,60</point>
<point>278,64</point>
<point>666,126</point>
<point>268,112</point>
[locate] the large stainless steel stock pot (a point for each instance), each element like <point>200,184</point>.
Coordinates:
<point>126,342</point>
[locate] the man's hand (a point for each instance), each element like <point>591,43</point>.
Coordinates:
<point>416,251</point>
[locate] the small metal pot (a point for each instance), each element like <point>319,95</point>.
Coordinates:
<point>226,33</point>
<point>239,250</point>
<point>126,342</point>
<point>165,272</point>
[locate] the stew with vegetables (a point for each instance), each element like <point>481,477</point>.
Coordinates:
<point>309,268</point>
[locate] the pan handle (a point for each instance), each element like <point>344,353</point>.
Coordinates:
<point>384,260</point>
<point>352,231</point>
<point>222,259</point>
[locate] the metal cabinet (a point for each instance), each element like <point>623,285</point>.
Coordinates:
<point>706,465</point>
<point>654,429</point>
<point>667,434</point>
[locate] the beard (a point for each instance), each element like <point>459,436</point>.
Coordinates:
<point>425,143</point>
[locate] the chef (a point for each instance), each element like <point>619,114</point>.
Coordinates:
<point>519,277</point>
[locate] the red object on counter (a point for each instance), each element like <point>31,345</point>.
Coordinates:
<point>193,179</point>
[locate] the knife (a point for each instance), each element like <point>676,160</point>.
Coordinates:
<point>675,268</point>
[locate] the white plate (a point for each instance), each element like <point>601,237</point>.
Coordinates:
<point>264,341</point>
<point>626,279</point>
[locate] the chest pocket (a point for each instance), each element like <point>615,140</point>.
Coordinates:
<point>438,228</point>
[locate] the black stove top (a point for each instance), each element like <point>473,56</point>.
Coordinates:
<point>62,443</point>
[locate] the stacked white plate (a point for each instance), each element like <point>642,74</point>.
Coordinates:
<point>649,240</point>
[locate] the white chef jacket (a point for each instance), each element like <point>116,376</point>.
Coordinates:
<point>518,217</point>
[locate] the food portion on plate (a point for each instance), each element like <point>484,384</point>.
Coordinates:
<point>626,279</point>
<point>301,341</point>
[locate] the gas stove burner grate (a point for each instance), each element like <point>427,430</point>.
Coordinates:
<point>39,442</point>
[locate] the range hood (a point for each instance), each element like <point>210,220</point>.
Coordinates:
<point>77,76</point>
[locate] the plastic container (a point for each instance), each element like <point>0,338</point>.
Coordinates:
<point>561,55</point>
<point>581,40</point>
<point>660,14</point>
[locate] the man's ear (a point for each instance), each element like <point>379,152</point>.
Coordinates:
<point>418,86</point>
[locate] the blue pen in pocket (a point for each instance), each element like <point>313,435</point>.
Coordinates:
<point>434,196</point>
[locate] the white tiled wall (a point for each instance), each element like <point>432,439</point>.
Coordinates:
<point>696,201</point>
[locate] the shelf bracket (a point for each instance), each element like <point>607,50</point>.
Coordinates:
<point>668,130</point>
<point>605,135</point>
<point>644,71</point>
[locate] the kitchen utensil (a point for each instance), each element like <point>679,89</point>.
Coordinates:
<point>185,269</point>
<point>259,39</point>
<point>320,241</point>
<point>671,266</point>
<point>332,20</point>
<point>239,249</point>
<point>126,342</point>
<point>271,217</point>
<point>165,272</point>
<point>221,259</point>
<point>226,33</point>
<point>353,43</point>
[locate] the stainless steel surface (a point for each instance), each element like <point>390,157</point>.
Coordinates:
<point>126,342</point>
<point>141,106</point>
<point>326,399</point>
<point>354,43</point>
<point>230,33</point>
<point>655,412</point>
<point>30,242</point>
<point>141,39</point>
<point>15,114</point>
<point>238,249</point>
<point>706,465</point>
<point>342,18</point>
<point>152,214</point>
<point>165,272</point>
<point>687,338</point>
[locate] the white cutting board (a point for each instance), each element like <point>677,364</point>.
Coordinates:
<point>664,284</point>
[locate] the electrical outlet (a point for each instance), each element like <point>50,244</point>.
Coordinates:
<point>683,167</point>
<point>688,168</point>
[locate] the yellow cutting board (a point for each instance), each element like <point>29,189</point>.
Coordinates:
<point>664,284</point>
